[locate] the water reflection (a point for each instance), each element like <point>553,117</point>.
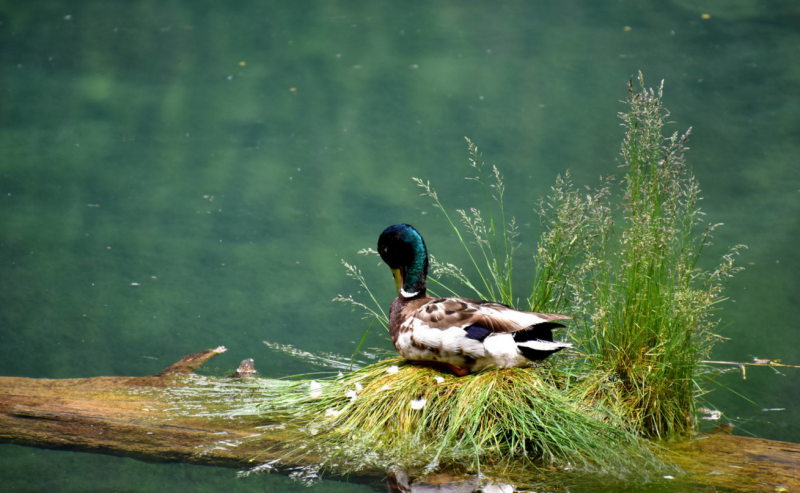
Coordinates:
<point>400,483</point>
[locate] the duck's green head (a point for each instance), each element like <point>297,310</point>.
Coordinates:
<point>403,249</point>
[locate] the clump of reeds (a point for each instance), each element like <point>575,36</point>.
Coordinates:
<point>642,305</point>
<point>393,414</point>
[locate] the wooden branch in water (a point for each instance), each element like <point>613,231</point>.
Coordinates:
<point>124,416</point>
<point>128,416</point>
<point>758,362</point>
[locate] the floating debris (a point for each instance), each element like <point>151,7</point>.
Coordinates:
<point>246,369</point>
<point>316,389</point>
<point>710,414</point>
<point>266,467</point>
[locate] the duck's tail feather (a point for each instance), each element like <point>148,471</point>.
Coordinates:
<point>537,350</point>
<point>536,343</point>
<point>542,332</point>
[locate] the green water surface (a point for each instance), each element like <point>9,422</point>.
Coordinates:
<point>180,175</point>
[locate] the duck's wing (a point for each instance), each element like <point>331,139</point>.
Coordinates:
<point>438,325</point>
<point>445,313</point>
<point>455,328</point>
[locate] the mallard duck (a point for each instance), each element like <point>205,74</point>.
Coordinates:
<point>463,335</point>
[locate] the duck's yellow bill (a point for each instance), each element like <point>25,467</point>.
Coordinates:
<point>398,279</point>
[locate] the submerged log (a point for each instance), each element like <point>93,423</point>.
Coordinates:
<point>127,416</point>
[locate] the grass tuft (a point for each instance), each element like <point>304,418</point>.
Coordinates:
<point>394,414</point>
<point>644,310</point>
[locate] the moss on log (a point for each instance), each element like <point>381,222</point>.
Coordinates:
<point>126,416</point>
<point>116,416</point>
